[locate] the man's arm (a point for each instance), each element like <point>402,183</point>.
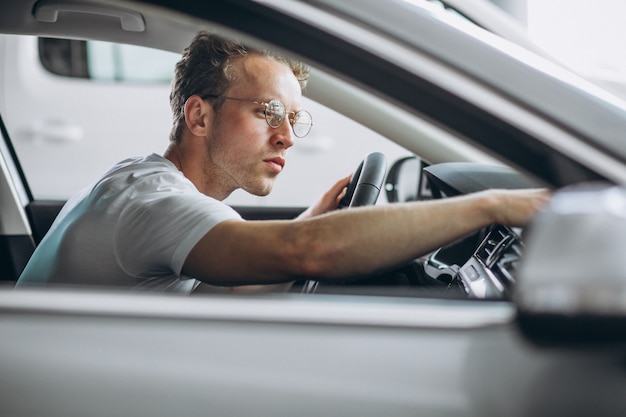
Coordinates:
<point>345,243</point>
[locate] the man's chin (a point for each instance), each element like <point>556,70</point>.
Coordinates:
<point>261,191</point>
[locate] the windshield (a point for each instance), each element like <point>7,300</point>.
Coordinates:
<point>585,35</point>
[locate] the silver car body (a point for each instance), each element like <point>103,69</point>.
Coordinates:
<point>96,352</point>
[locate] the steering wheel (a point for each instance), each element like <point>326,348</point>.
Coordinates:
<point>366,182</point>
<point>363,190</point>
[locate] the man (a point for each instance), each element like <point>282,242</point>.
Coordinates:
<point>158,222</point>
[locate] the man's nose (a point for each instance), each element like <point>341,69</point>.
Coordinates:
<point>283,135</point>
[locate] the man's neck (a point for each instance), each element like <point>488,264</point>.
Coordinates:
<point>194,170</point>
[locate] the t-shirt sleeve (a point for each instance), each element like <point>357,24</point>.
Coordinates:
<point>160,225</point>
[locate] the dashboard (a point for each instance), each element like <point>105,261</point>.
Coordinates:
<point>487,272</point>
<point>482,265</point>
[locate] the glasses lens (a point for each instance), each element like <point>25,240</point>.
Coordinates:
<point>275,113</point>
<point>302,122</point>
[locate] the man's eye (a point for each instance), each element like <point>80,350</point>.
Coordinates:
<point>275,116</point>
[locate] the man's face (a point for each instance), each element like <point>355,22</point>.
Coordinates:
<point>243,150</point>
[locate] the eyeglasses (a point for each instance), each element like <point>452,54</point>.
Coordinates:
<point>275,113</point>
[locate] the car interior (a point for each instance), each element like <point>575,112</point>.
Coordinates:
<point>446,165</point>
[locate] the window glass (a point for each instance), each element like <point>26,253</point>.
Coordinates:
<point>589,38</point>
<point>105,61</point>
<point>78,107</point>
<point>129,63</point>
<point>64,57</point>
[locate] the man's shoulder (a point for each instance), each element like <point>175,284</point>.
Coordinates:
<point>144,167</point>
<point>148,162</point>
<point>142,174</point>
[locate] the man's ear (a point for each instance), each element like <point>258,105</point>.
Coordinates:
<point>197,115</point>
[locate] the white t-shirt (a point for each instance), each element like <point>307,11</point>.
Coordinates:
<point>133,228</point>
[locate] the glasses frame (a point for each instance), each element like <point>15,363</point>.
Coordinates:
<point>289,115</point>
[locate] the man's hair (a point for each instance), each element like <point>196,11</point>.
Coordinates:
<point>205,69</point>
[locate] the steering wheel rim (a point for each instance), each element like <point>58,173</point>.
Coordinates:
<point>363,190</point>
<point>366,182</point>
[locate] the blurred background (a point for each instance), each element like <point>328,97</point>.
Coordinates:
<point>585,35</point>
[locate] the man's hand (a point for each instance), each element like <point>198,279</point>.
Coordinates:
<point>516,207</point>
<point>329,201</point>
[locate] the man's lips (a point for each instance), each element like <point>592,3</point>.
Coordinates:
<point>277,163</point>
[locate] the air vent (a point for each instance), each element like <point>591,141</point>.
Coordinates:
<point>505,267</point>
<point>500,252</point>
<point>493,245</point>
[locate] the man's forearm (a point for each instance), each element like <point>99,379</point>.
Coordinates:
<point>349,242</point>
<point>365,239</point>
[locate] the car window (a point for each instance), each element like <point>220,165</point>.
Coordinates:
<point>128,63</point>
<point>65,57</point>
<point>589,39</point>
<point>74,108</point>
<point>106,61</point>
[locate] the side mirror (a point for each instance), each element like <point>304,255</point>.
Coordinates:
<point>571,281</point>
<point>406,181</point>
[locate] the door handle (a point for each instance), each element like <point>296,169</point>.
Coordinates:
<point>54,131</point>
